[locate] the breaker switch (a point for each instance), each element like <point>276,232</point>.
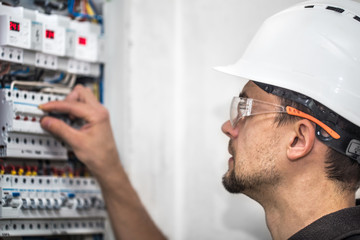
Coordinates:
<point>33,204</point>
<point>101,204</point>
<point>57,204</point>
<point>41,204</point>
<point>49,204</point>
<point>11,200</point>
<point>97,203</point>
<point>68,200</point>
<point>87,203</point>
<point>15,203</point>
<point>25,204</point>
<point>7,197</point>
<point>80,204</point>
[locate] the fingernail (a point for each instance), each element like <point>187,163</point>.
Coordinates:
<point>45,123</point>
<point>40,106</point>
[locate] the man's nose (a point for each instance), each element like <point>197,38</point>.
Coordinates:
<point>228,129</point>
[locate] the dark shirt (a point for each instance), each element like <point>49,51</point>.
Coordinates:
<point>340,225</point>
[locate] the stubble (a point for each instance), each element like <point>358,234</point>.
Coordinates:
<point>240,179</point>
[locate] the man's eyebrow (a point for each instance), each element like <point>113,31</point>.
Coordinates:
<point>243,95</point>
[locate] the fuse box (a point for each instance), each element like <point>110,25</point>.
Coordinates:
<point>44,190</point>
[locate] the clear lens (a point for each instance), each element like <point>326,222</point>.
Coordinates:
<point>240,107</point>
<point>234,112</point>
<point>243,107</point>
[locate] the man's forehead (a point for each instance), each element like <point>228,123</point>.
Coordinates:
<point>248,90</point>
<point>251,90</point>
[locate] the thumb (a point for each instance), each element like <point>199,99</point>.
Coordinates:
<point>60,129</point>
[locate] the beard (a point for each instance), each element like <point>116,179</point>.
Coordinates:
<point>233,184</point>
<point>239,179</point>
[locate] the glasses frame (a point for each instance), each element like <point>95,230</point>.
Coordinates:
<point>243,107</point>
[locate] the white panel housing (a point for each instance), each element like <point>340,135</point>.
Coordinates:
<point>22,135</point>
<point>53,35</point>
<point>50,197</point>
<point>37,227</point>
<point>15,31</point>
<point>86,41</point>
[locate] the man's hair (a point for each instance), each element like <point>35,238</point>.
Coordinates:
<point>339,168</point>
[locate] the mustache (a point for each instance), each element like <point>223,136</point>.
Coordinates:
<point>231,148</point>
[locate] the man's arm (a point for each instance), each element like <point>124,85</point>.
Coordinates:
<point>95,146</point>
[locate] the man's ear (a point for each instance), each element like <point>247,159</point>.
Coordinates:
<point>302,139</point>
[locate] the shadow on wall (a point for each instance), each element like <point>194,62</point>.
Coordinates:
<point>249,217</point>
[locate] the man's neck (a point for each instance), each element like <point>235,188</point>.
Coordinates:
<point>290,208</point>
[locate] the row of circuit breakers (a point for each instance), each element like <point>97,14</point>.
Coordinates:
<point>52,42</point>
<point>34,201</point>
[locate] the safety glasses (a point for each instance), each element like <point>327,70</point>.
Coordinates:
<point>244,107</point>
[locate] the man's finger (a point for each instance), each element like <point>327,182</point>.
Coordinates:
<point>60,129</point>
<point>82,94</point>
<point>73,96</point>
<point>77,109</point>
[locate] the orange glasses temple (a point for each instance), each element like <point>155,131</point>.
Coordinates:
<point>295,112</point>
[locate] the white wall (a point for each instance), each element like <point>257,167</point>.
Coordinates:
<point>167,106</point>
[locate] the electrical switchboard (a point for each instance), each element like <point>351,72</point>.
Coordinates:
<point>44,189</point>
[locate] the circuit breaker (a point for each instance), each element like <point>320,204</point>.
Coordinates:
<point>22,136</point>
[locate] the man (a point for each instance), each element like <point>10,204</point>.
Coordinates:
<point>296,147</point>
<point>294,129</point>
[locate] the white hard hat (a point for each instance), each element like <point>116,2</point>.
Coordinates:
<point>312,48</point>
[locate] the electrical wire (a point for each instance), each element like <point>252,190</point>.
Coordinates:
<point>38,74</point>
<point>47,87</point>
<point>83,7</point>
<point>13,3</point>
<point>98,237</point>
<point>49,6</point>
<point>92,6</point>
<point>71,5</point>
<point>65,80</point>
<point>29,83</point>
<point>101,84</point>
<point>4,71</point>
<point>60,89</point>
<point>58,79</point>
<point>4,74</point>
<point>27,70</point>
<point>72,81</point>
<point>90,10</point>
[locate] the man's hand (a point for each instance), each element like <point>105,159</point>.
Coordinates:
<point>93,143</point>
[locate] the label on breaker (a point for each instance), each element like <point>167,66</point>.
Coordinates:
<point>70,42</point>
<point>36,35</point>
